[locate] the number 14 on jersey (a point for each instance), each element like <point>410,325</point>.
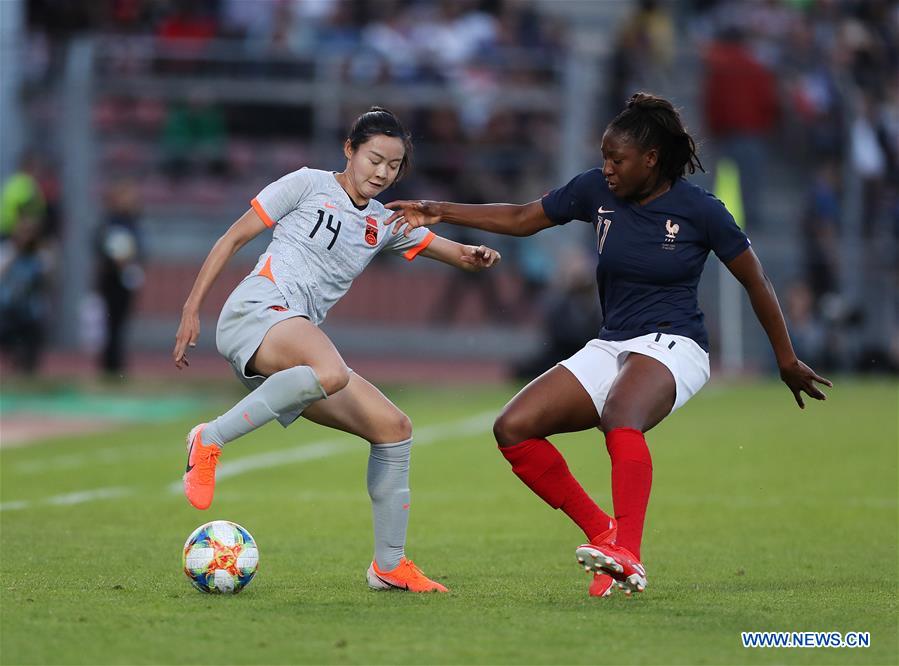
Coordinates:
<point>330,226</point>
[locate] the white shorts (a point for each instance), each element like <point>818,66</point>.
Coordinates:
<point>598,363</point>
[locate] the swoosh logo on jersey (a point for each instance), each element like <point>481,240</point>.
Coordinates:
<point>330,205</point>
<point>603,211</point>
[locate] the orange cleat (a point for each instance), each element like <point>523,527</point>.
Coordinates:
<point>199,477</point>
<point>406,576</point>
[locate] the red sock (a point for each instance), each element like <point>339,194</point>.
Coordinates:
<point>543,469</point>
<point>631,482</point>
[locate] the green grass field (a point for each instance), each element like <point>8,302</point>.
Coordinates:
<point>763,517</point>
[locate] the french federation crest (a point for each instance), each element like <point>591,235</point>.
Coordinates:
<point>670,235</point>
<point>371,231</point>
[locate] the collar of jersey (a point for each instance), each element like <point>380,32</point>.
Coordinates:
<point>347,194</point>
<point>659,198</point>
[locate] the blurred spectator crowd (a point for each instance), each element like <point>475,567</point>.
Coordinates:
<point>29,263</point>
<point>799,95</point>
<point>469,48</point>
<point>378,40</point>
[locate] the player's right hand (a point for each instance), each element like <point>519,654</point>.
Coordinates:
<point>188,332</point>
<point>801,378</point>
<point>407,215</point>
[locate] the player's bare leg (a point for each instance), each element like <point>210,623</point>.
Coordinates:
<point>553,403</point>
<point>295,342</point>
<point>641,396</point>
<point>361,409</point>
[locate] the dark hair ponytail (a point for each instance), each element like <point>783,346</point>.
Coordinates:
<point>379,121</point>
<point>653,122</point>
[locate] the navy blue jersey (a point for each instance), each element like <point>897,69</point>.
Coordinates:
<point>650,257</point>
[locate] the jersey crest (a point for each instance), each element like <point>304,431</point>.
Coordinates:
<point>670,235</point>
<point>371,231</point>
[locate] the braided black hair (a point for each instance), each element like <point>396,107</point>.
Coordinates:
<point>653,122</point>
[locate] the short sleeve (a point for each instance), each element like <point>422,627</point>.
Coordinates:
<point>570,201</point>
<point>283,196</point>
<point>409,246</point>
<point>725,238</point>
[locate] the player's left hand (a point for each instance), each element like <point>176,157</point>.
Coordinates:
<point>477,258</point>
<point>801,378</point>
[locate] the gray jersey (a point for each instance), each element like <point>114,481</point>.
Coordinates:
<point>321,240</point>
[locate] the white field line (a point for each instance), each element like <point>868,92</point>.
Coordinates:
<point>108,456</point>
<point>473,425</point>
<point>69,499</point>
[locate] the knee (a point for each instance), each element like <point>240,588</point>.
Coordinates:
<point>332,378</point>
<point>390,428</point>
<point>401,426</point>
<point>511,427</point>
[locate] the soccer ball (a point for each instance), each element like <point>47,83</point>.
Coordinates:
<point>220,557</point>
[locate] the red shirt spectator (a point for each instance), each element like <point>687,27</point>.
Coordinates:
<point>185,25</point>
<point>740,94</point>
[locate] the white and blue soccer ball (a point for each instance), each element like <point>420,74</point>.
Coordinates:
<point>220,557</point>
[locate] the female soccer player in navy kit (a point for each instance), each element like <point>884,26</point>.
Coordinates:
<point>325,232</point>
<point>654,231</point>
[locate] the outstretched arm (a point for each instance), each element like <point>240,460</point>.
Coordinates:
<point>508,219</point>
<point>795,374</point>
<point>471,258</point>
<point>239,234</point>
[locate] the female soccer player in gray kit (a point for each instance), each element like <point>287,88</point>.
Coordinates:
<point>326,229</point>
<point>654,231</point>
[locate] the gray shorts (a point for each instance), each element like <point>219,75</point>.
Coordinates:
<point>254,306</point>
